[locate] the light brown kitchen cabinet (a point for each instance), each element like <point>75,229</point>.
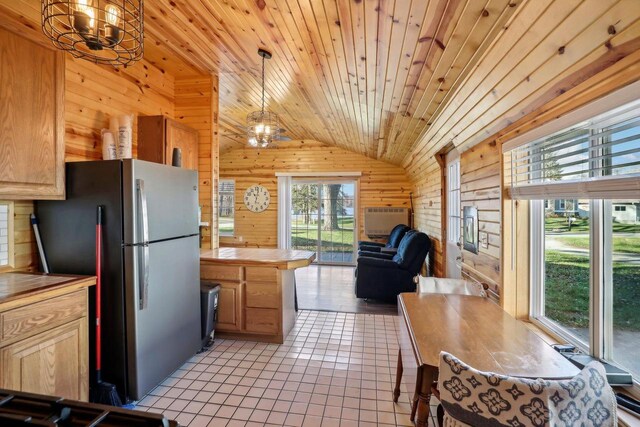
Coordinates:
<point>31,119</point>
<point>44,340</point>
<point>52,362</point>
<point>159,135</point>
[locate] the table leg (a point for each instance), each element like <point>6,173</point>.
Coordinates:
<point>427,375</point>
<point>396,391</point>
<point>295,291</point>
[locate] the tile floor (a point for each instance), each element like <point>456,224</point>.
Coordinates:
<point>331,288</point>
<point>334,369</point>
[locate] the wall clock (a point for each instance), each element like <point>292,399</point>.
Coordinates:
<point>257,198</point>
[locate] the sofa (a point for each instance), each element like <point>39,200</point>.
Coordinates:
<point>383,276</point>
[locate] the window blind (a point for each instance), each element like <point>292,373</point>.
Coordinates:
<point>596,158</point>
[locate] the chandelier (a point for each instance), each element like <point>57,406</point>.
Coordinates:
<point>263,127</point>
<point>101,31</point>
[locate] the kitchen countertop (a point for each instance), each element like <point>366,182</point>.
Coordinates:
<point>283,259</point>
<point>20,285</point>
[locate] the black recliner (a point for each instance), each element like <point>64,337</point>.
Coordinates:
<point>384,277</point>
<point>395,237</point>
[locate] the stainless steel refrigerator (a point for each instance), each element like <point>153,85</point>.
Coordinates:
<point>151,274</point>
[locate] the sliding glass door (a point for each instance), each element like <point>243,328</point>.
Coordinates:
<point>323,219</point>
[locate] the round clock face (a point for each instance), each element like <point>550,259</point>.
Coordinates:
<point>256,198</point>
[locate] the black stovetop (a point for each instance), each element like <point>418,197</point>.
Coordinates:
<point>26,409</point>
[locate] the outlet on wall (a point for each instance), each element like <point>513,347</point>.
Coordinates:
<point>484,239</point>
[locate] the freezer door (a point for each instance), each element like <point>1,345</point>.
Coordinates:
<point>163,314</point>
<point>170,196</point>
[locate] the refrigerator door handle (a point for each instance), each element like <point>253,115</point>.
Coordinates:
<point>144,246</point>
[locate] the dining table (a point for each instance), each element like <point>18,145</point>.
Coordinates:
<point>474,329</point>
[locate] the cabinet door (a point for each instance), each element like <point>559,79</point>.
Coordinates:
<point>31,119</point>
<point>185,138</point>
<point>53,362</point>
<point>229,307</point>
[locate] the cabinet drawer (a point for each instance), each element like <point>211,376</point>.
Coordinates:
<point>220,272</point>
<point>43,315</point>
<point>262,274</point>
<point>262,320</point>
<point>262,295</point>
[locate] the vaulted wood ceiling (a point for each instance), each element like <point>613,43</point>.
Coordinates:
<point>365,75</point>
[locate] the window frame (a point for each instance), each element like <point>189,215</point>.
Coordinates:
<point>601,213</point>
<point>10,236</point>
<point>233,207</point>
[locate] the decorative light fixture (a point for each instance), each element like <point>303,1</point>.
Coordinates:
<point>263,127</point>
<point>101,31</point>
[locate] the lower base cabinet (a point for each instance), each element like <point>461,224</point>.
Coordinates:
<point>44,339</point>
<point>52,362</point>
<point>251,302</point>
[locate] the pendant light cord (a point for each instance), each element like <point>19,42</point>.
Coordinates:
<point>263,87</point>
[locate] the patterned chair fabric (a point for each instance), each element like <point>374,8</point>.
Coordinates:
<point>484,399</point>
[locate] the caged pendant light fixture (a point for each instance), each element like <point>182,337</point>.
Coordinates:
<point>263,127</point>
<point>101,31</point>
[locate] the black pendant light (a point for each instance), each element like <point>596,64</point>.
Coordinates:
<point>263,127</point>
<point>100,31</point>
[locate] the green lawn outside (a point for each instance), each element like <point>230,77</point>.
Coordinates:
<point>620,244</point>
<point>225,226</point>
<point>567,291</point>
<point>305,236</point>
<point>560,225</point>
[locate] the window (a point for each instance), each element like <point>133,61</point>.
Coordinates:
<point>585,255</point>
<point>5,231</point>
<point>226,206</point>
<point>453,202</point>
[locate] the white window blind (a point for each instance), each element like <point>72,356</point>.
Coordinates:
<point>595,158</point>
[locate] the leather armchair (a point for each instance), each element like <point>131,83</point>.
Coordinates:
<point>395,236</point>
<point>383,278</point>
<point>383,252</point>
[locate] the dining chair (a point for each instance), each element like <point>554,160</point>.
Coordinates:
<point>474,398</point>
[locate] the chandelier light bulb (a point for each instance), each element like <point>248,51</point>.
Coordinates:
<point>112,14</point>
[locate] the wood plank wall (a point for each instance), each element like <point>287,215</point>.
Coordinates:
<point>547,51</point>
<point>196,105</point>
<point>480,187</point>
<point>381,184</point>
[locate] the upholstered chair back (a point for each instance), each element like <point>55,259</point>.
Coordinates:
<point>396,235</point>
<point>474,398</point>
<point>412,251</point>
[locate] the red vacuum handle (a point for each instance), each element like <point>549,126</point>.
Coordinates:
<point>98,286</point>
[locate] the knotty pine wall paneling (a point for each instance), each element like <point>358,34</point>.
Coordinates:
<point>480,181</point>
<point>551,58</point>
<point>381,184</point>
<point>196,105</point>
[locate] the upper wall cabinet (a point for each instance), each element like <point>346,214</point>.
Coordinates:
<point>159,135</point>
<point>31,119</point>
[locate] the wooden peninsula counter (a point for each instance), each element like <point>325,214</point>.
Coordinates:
<point>257,290</point>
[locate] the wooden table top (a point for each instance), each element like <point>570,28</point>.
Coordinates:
<point>20,285</point>
<point>480,333</point>
<point>284,259</point>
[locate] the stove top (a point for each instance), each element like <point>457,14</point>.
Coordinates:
<point>26,409</point>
